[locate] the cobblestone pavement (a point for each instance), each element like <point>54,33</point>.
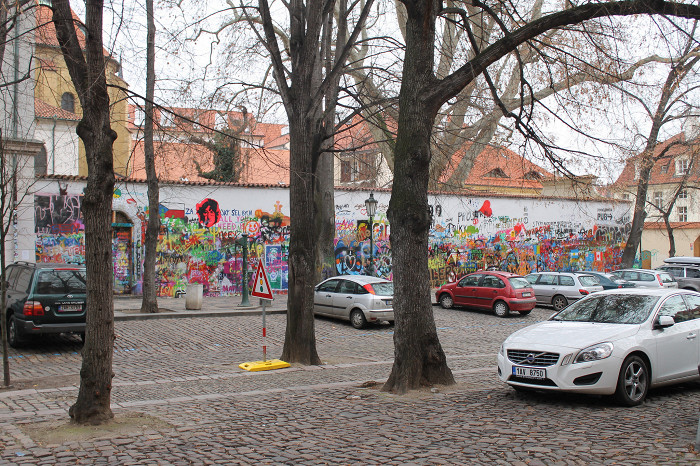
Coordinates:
<point>183,375</point>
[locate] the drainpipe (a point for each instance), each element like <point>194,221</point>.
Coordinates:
<point>53,146</point>
<point>15,86</point>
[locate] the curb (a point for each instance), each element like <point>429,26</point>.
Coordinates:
<point>121,316</point>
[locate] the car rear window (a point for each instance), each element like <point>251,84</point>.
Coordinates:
<point>587,280</point>
<point>61,282</point>
<point>383,288</point>
<point>519,283</point>
<point>666,278</point>
<point>647,277</point>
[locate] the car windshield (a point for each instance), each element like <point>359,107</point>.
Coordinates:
<point>383,288</point>
<point>61,282</point>
<point>518,283</point>
<point>587,280</point>
<point>610,309</point>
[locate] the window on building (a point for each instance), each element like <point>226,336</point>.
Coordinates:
<point>626,196</point>
<point>682,213</point>
<point>682,167</point>
<point>68,102</point>
<point>658,199</point>
<point>683,194</point>
<point>496,173</point>
<point>357,168</point>
<point>139,116</point>
<point>167,119</point>
<point>40,162</point>
<point>533,175</point>
<point>221,121</point>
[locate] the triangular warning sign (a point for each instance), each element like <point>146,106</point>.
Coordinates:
<point>261,285</point>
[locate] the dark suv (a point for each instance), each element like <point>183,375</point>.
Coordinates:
<point>44,298</point>
<point>686,271</point>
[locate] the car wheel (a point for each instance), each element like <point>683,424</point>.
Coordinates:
<point>633,382</point>
<point>357,319</point>
<point>13,337</point>
<point>524,313</point>
<point>500,308</point>
<point>446,301</point>
<point>559,302</point>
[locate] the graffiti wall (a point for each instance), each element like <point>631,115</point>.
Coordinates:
<point>203,229</point>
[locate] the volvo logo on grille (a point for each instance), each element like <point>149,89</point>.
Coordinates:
<point>530,358</point>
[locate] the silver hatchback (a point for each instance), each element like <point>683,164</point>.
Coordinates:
<point>647,278</point>
<point>357,298</point>
<point>559,289</point>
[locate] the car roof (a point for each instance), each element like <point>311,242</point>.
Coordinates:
<point>640,270</point>
<point>362,279</point>
<point>648,291</point>
<point>683,260</point>
<point>50,265</point>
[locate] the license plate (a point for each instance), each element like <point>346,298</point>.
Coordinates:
<point>70,307</point>
<point>529,372</point>
<point>389,302</point>
<point>527,294</point>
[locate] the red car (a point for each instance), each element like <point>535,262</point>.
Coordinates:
<point>501,291</point>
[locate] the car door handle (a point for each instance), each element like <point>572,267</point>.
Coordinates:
<point>328,296</point>
<point>691,336</point>
<point>348,297</point>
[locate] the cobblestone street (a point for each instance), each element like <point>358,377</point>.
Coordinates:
<point>182,375</point>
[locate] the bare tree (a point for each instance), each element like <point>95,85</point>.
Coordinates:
<point>308,94</point>
<point>88,72</point>
<point>419,358</point>
<point>671,100</point>
<point>17,149</point>
<point>149,303</point>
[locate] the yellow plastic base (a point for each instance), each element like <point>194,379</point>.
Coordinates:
<point>263,365</point>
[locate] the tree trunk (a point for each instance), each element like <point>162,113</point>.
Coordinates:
<point>324,198</point>
<point>149,304</point>
<point>87,71</point>
<point>671,238</point>
<point>640,213</point>
<point>419,358</point>
<point>300,338</point>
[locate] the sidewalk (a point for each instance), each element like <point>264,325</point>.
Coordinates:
<point>129,307</point>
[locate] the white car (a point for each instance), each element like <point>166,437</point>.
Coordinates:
<point>619,342</point>
<point>647,278</point>
<point>360,299</point>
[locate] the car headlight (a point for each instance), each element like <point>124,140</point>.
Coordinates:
<point>595,352</point>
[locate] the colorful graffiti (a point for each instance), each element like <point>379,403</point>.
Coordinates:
<point>200,239</point>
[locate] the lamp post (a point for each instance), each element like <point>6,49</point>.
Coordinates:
<point>244,281</point>
<point>371,206</point>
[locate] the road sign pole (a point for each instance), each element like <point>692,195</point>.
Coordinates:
<point>262,290</point>
<point>264,302</point>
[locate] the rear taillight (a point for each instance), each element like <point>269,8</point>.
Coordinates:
<point>619,286</point>
<point>369,288</point>
<point>658,277</point>
<point>33,308</point>
<point>583,292</point>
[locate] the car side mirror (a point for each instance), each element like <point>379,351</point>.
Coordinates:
<point>664,322</point>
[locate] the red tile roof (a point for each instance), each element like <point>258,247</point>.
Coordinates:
<point>44,110</point>
<point>660,225</point>
<point>496,159</point>
<point>664,170</point>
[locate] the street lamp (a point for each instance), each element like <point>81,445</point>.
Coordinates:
<point>243,241</point>
<point>371,206</point>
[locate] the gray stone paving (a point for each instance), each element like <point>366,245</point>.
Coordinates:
<point>184,372</point>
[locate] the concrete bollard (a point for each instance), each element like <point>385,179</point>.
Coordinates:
<point>193,297</point>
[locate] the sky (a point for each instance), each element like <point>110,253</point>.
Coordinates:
<point>621,124</point>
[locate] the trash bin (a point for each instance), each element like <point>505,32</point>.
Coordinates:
<point>193,297</point>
